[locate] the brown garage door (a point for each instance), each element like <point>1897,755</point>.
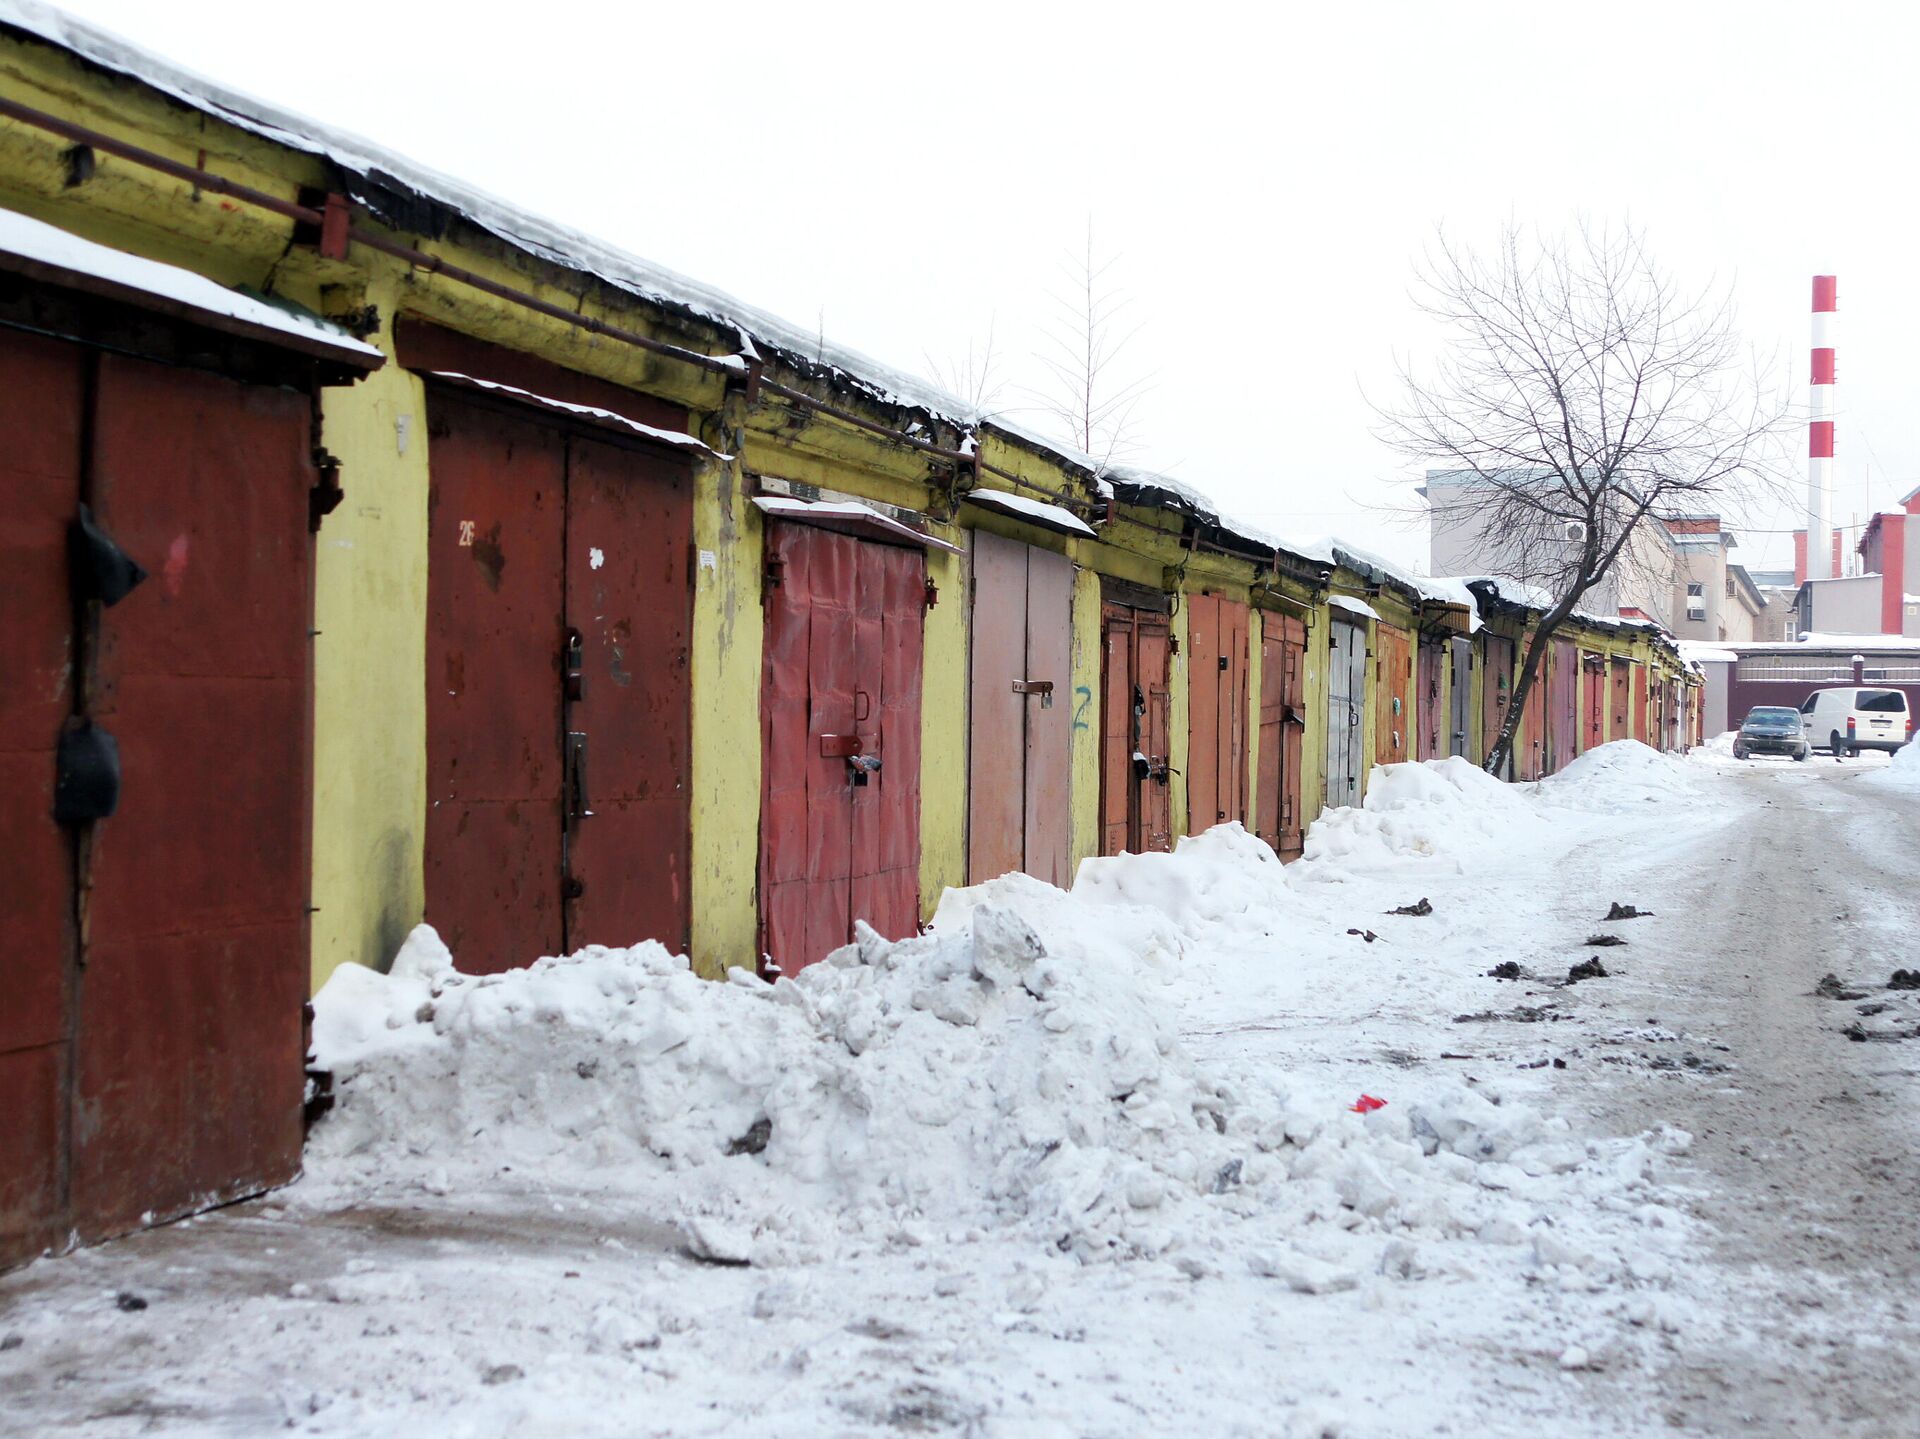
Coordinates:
<point>840,807</point>
<point>1283,722</point>
<point>156,958</point>
<point>1393,683</point>
<point>1135,795</point>
<point>1216,711</point>
<point>558,749</point>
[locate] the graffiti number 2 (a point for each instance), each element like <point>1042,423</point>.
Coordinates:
<point>1080,710</point>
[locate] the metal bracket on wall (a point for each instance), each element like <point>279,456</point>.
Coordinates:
<point>325,496</point>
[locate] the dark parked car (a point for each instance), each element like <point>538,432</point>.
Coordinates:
<point>1771,729</point>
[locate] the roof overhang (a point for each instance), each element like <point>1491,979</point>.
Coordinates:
<point>849,517</point>
<point>588,415</point>
<point>1057,518</point>
<point>50,255</point>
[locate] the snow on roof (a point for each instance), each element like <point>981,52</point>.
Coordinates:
<point>1702,652</point>
<point>1353,606</point>
<point>382,172</point>
<point>865,516</point>
<point>49,245</point>
<point>1821,641</point>
<point>385,171</point>
<point>1054,517</point>
<point>588,412</point>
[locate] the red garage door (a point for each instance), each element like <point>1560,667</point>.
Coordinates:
<point>559,627</point>
<point>156,958</point>
<point>840,807</point>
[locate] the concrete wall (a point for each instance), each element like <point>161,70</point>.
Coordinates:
<point>1843,606</point>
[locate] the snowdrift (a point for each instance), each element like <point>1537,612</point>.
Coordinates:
<point>1903,771</point>
<point>1619,776</point>
<point>1019,1067</point>
<point>1445,805</point>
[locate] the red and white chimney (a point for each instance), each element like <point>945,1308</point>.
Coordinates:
<point>1820,564</point>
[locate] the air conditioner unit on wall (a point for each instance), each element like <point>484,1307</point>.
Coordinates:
<point>1575,531</point>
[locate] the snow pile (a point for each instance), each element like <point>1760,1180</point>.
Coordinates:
<point>1438,806</point>
<point>1620,776</point>
<point>1018,1068</point>
<point>1010,1065</point>
<point>1903,771</point>
<point>1220,877</point>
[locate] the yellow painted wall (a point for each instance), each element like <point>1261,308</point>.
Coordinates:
<point>943,732</point>
<point>725,676</point>
<point>1313,742</point>
<point>370,716</point>
<point>1084,696</point>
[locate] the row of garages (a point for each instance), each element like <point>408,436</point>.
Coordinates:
<point>373,554</point>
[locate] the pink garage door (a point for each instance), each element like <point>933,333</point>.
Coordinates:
<point>840,807</point>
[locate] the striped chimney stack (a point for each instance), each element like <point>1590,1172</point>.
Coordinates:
<point>1820,433</point>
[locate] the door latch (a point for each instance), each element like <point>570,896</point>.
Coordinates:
<point>574,666</point>
<point>578,806</point>
<point>1043,688</point>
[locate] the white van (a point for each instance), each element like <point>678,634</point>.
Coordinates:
<point>1849,720</point>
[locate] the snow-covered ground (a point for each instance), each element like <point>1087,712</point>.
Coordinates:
<point>1099,1162</point>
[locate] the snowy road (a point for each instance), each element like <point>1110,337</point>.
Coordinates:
<point>1492,1253</point>
<point>1810,1155</point>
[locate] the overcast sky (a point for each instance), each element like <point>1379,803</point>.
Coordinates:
<point>909,174</point>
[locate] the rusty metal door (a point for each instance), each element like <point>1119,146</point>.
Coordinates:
<point>1620,691</point>
<point>1216,711</point>
<point>42,383</point>
<point>1427,699</point>
<point>559,623</point>
<point>1496,692</point>
<point>840,799</point>
<point>1393,680</point>
<point>629,597</point>
<point>157,948</point>
<point>1639,717</point>
<point>1346,699</point>
<point>1283,657</point>
<point>1460,698</point>
<point>1020,721</point>
<point>1136,811</point>
<point>1594,669</point>
<point>496,628</point>
<point>189,1067</point>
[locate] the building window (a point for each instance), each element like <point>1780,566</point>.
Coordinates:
<point>1729,586</point>
<point>1696,601</point>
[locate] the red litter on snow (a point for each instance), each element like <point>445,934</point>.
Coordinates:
<point>1367,1104</point>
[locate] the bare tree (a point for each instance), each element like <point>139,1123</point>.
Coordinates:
<point>973,377</point>
<point>1085,344</point>
<point>1582,398</point>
